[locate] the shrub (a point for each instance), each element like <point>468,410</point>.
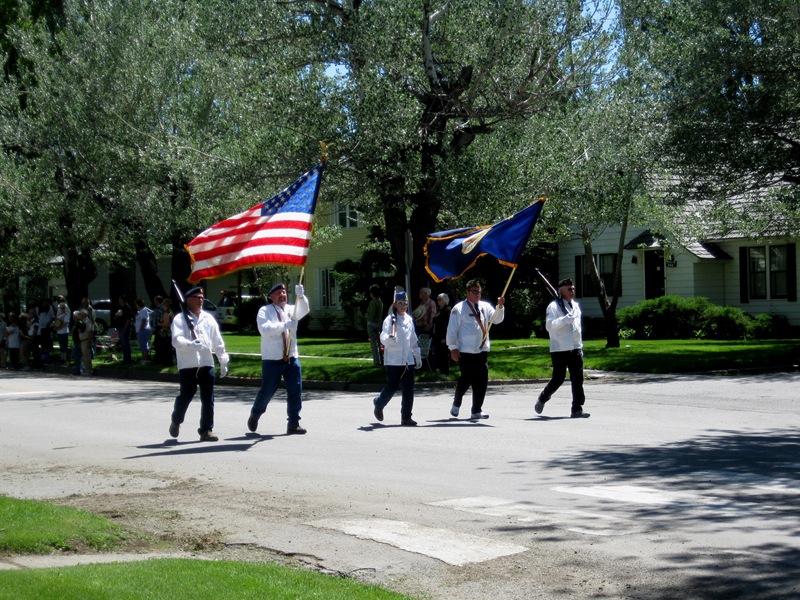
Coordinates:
<point>770,326</point>
<point>667,317</point>
<point>726,323</point>
<point>673,317</point>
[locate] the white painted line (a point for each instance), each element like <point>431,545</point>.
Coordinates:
<point>715,500</point>
<point>572,520</point>
<point>451,547</point>
<point>630,493</point>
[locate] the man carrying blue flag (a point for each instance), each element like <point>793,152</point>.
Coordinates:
<point>468,341</point>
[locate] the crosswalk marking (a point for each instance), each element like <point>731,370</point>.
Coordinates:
<point>448,546</point>
<point>583,522</point>
<point>629,493</point>
<point>713,501</point>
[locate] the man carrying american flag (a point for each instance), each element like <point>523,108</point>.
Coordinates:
<point>274,232</point>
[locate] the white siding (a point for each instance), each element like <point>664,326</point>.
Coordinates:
<point>715,279</point>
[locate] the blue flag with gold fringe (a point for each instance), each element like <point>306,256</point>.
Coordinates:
<point>449,254</point>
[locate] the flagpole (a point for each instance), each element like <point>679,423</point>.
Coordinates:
<point>324,158</point>
<point>289,337</point>
<point>505,289</point>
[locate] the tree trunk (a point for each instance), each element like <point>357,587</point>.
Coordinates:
<point>181,268</point>
<point>79,272</point>
<point>121,282</point>
<point>148,267</point>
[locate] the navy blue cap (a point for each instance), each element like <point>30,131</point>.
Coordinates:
<point>275,288</point>
<point>400,296</point>
<point>194,292</point>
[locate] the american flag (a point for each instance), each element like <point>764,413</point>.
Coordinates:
<point>274,232</point>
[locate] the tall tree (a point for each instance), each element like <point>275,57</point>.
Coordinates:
<point>731,83</point>
<point>423,82</point>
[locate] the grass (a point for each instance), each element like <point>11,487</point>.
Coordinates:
<point>327,359</point>
<point>178,579</point>
<point>28,526</point>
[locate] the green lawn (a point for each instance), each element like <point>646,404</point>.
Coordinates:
<point>329,359</point>
<point>28,526</point>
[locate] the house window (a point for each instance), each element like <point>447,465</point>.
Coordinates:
<point>328,288</point>
<point>757,272</point>
<point>767,272</point>
<point>777,272</point>
<point>605,266</point>
<point>346,217</point>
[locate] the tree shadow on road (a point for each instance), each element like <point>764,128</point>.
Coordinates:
<point>742,484</point>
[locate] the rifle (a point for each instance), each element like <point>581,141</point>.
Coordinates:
<point>186,315</point>
<point>553,291</point>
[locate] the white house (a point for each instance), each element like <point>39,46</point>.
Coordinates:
<point>756,275</point>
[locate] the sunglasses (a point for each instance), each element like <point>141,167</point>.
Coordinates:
<point>474,291</point>
<point>402,304</point>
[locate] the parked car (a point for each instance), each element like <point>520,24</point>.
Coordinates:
<point>226,309</point>
<point>234,309</point>
<point>102,315</point>
<point>209,306</point>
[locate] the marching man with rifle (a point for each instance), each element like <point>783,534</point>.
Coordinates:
<point>566,345</point>
<point>196,338</point>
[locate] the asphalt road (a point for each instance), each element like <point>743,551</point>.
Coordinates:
<point>676,487</point>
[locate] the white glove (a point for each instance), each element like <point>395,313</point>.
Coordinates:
<point>299,290</point>
<point>223,370</point>
<point>418,362</point>
<point>392,339</point>
<point>291,325</point>
<point>198,343</point>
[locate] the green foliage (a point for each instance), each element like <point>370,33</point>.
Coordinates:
<point>30,526</point>
<point>726,323</point>
<point>667,317</point>
<point>183,579</point>
<point>674,317</point>
<point>770,326</point>
<point>727,74</point>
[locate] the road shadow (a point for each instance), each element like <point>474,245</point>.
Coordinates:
<point>743,484</point>
<point>172,447</point>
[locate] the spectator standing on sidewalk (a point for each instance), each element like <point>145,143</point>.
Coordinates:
<point>123,321</point>
<point>13,341</point>
<point>61,326</point>
<point>143,329</point>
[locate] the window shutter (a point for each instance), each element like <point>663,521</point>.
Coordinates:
<point>744,291</point>
<point>578,276</point>
<point>791,272</point>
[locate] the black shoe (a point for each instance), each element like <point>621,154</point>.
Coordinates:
<point>378,412</point>
<point>252,423</point>
<point>408,422</point>
<point>208,436</point>
<point>174,429</point>
<point>579,414</point>
<point>295,430</point>
<point>538,407</point>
